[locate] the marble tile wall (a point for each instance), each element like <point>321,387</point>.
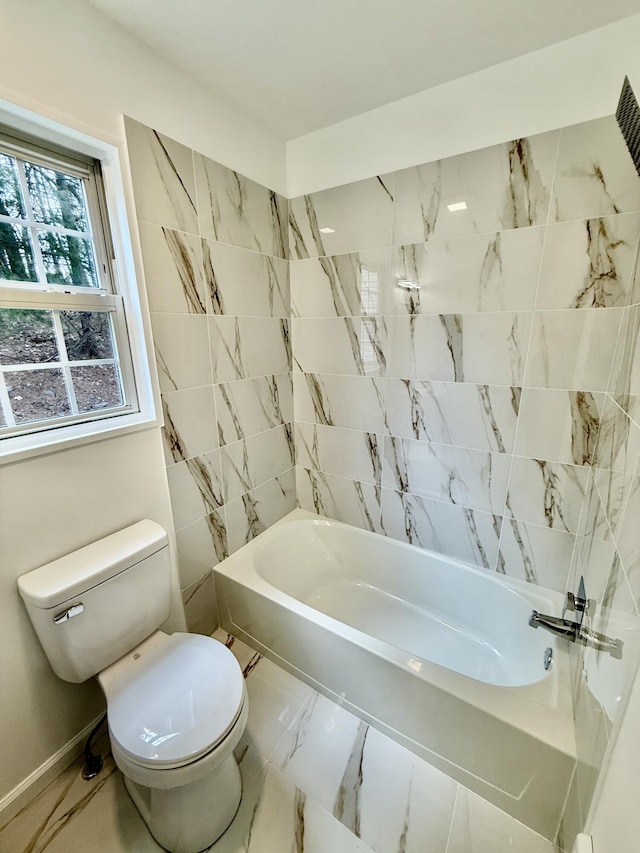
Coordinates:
<point>607,555</point>
<point>215,254</point>
<point>451,368</point>
<point>469,380</point>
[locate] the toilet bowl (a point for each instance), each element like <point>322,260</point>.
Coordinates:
<point>176,709</point>
<point>176,704</point>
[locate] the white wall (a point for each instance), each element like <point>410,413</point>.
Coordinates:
<point>570,82</point>
<point>63,60</point>
<point>50,505</point>
<point>66,60</point>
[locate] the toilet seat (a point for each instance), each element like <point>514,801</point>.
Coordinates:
<point>172,700</point>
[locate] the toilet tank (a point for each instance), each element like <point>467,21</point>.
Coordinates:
<point>94,605</point>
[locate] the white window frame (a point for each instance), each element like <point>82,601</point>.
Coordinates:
<point>133,336</point>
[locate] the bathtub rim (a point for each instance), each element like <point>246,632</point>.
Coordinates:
<point>543,709</point>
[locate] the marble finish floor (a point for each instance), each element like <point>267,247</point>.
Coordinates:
<point>316,779</point>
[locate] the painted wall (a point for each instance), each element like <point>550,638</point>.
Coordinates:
<point>86,75</point>
<point>215,256</point>
<point>49,506</point>
<point>68,61</point>
<point>570,82</point>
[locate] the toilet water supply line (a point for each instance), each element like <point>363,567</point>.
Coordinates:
<point>92,762</point>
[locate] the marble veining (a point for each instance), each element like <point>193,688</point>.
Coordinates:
<point>249,406</point>
<point>163,178</point>
<point>352,284</point>
<point>184,264</point>
<point>236,210</point>
<point>359,214</point>
<point>585,420</point>
<point>527,196</point>
<point>357,345</point>
<point>483,348</point>
<point>595,175</point>
<point>245,283</point>
<point>487,272</point>
<point>470,478</point>
<point>338,497</point>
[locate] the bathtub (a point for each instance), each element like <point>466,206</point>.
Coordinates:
<point>437,654</point>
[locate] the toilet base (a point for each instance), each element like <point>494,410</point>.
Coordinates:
<point>190,818</point>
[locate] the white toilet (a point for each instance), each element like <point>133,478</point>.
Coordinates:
<point>176,704</point>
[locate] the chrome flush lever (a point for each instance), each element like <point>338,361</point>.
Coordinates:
<point>74,610</point>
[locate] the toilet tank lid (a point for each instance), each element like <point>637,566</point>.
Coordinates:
<point>69,576</point>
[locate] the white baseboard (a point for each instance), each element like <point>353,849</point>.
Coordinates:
<point>29,788</point>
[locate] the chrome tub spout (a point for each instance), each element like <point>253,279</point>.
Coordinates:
<point>577,632</point>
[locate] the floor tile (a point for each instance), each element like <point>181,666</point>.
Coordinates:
<point>479,827</point>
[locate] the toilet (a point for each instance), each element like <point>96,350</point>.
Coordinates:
<point>176,704</point>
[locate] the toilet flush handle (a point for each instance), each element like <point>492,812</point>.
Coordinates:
<point>74,610</point>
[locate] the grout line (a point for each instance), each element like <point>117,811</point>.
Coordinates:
<point>453,816</point>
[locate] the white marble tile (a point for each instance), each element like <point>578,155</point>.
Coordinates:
<point>595,175</point>
<point>244,654</point>
<point>375,787</point>
<point>505,186</point>
<point>236,210</point>
<point>248,347</point>
<point>182,351</point>
<point>560,426</point>
<point>589,263</point>
<point>189,423</point>
<point>163,178</point>
<point>614,490</point>
<point>618,445</point>
<point>624,382</point>
<point>547,493</point>
<point>572,349</point>
<point>200,606</point>
<point>275,815</point>
<point>483,348</point>
<point>357,345</point>
<point>539,555</point>
<point>245,283</point>
<point>360,215</point>
<point>342,452</point>
<point>470,478</point>
<point>477,416</point>
<point>352,402</point>
<point>455,531</point>
<point>479,827</point>
<point>275,701</point>
<point>347,285</point>
<point>195,487</point>
<point>393,800</point>
<point>248,406</point>
<point>201,546</point>
<point>627,538</point>
<point>487,272</point>
<point>251,514</point>
<point>172,270</point>
<point>252,461</point>
<point>339,498</point>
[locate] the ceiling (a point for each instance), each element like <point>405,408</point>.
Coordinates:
<point>298,65</point>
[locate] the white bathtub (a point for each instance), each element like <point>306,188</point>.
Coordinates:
<point>437,654</point>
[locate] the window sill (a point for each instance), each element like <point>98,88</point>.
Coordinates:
<point>23,447</point>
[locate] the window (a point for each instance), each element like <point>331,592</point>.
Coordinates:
<point>66,354</point>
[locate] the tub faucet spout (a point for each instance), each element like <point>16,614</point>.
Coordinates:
<point>577,632</point>
<point>557,625</point>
